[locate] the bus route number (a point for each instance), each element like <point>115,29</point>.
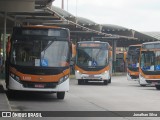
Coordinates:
<point>26,78</point>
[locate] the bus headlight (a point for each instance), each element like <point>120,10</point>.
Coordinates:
<point>15,77</point>
<point>77,71</point>
<point>106,72</point>
<point>63,79</point>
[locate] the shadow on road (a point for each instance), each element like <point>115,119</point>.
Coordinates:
<point>95,83</point>
<point>1,89</point>
<point>31,96</point>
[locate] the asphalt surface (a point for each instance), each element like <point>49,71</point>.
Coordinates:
<point>120,95</point>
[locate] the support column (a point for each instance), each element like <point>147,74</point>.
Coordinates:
<point>0,42</point>
<point>4,35</point>
<point>114,45</point>
<point>4,42</point>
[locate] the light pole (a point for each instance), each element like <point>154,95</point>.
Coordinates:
<point>62,4</point>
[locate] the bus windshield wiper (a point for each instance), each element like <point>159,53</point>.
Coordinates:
<point>48,46</point>
<point>98,52</point>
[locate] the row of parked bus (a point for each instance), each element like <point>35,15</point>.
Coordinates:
<point>144,63</point>
<point>38,59</point>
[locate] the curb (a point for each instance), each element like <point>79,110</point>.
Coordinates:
<point>3,91</point>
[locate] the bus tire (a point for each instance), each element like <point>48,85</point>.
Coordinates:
<point>157,87</point>
<point>60,95</point>
<point>7,81</point>
<point>6,75</point>
<point>105,82</point>
<point>142,85</point>
<point>80,82</point>
<point>10,93</point>
<point>109,81</point>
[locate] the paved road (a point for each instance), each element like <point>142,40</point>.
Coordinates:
<point>120,95</point>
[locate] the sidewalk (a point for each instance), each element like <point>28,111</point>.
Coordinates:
<point>4,103</point>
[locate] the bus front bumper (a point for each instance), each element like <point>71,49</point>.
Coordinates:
<point>142,80</point>
<point>153,81</point>
<point>103,76</point>
<point>131,78</point>
<point>15,85</point>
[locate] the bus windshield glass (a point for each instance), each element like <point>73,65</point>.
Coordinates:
<point>39,53</point>
<point>133,57</point>
<point>150,60</point>
<point>92,56</point>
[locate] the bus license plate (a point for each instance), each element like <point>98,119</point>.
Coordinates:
<point>154,83</point>
<point>91,76</point>
<point>39,86</point>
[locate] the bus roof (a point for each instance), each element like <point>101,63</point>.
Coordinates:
<point>151,45</point>
<point>50,31</point>
<point>146,43</point>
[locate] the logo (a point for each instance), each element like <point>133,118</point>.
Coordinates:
<point>20,114</point>
<point>94,63</point>
<point>6,114</point>
<point>44,62</point>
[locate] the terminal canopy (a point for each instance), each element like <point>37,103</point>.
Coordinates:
<point>82,29</point>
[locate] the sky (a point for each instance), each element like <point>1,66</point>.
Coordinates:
<point>140,15</point>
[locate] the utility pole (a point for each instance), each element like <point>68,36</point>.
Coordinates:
<point>62,4</point>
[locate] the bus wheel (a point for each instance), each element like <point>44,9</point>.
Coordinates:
<point>105,82</point>
<point>142,85</point>
<point>80,82</point>
<point>109,81</point>
<point>10,93</point>
<point>60,95</point>
<point>157,87</point>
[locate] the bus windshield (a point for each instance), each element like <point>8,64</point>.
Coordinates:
<point>133,57</point>
<point>92,56</point>
<point>150,60</point>
<point>39,53</point>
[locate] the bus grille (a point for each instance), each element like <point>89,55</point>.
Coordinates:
<point>39,84</point>
<point>153,81</point>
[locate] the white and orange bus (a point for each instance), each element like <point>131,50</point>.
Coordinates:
<point>133,54</point>
<point>38,59</point>
<point>93,62</point>
<point>149,70</point>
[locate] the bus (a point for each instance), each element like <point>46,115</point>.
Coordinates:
<point>37,59</point>
<point>93,62</point>
<point>149,70</point>
<point>133,62</point>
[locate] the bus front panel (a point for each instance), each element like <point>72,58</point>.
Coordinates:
<point>38,60</point>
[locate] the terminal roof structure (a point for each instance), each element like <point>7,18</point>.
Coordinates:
<point>81,28</point>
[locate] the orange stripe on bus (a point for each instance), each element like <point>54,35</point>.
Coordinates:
<point>92,72</point>
<point>39,78</point>
<point>133,72</point>
<point>149,76</point>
